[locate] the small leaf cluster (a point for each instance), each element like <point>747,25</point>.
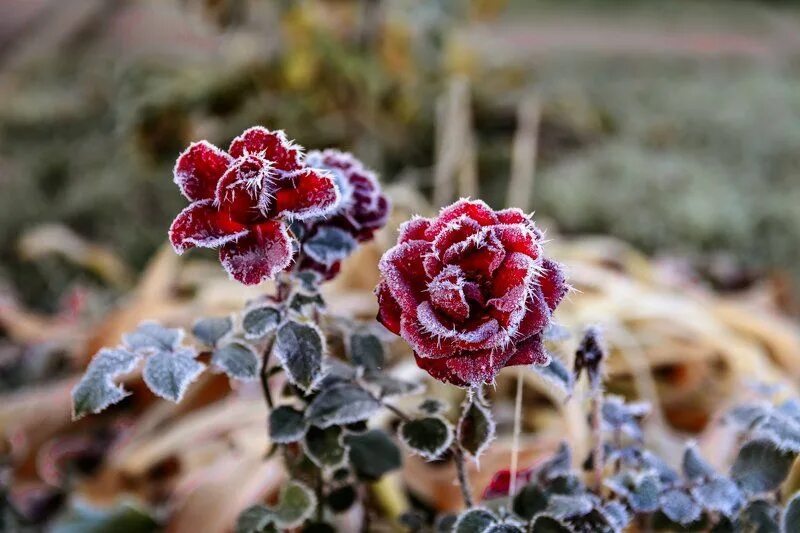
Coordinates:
<point>639,487</point>
<point>334,377</point>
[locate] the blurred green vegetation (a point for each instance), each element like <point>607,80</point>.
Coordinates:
<point>676,154</point>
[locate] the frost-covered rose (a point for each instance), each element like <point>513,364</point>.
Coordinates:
<point>241,198</point>
<point>363,209</point>
<point>470,291</point>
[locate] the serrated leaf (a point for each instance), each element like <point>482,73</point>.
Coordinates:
<point>300,349</point>
<point>563,507</point>
<point>390,387</point>
<point>530,501</point>
<point>254,519</point>
<point>96,390</point>
<point>474,521</point>
<point>476,429</point>
<point>759,517</point>
<point>152,337</point>
<point>680,507</point>
<point>342,403</point>
<point>791,515</point>
<point>286,424</point>
<point>366,350</point>
<point>329,244</point>
<point>427,437</point>
<point>616,515</point>
<point>372,454</point>
<point>719,495</point>
<point>168,374</point>
<point>760,467</point>
<point>782,431</point>
<point>324,446</point>
<point>549,524</point>
<point>641,490</point>
<point>210,330</point>
<point>694,466</point>
<point>296,503</point>
<point>238,360</point>
<point>557,374</point>
<point>260,321</point>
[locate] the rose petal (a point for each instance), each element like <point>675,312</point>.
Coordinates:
<point>404,274</point>
<point>305,194</point>
<point>200,224</point>
<point>414,229</point>
<point>536,315</point>
<point>260,255</point>
<point>517,238</point>
<point>529,352</point>
<point>243,191</point>
<point>429,335</point>
<point>271,145</point>
<point>439,370</point>
<point>517,270</point>
<point>513,215</point>
<point>199,168</point>
<point>454,233</point>
<point>388,310</point>
<point>476,367</point>
<point>480,254</point>
<point>553,283</point>
<point>477,210</point>
<point>447,293</point>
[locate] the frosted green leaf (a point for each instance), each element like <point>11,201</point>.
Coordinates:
<point>97,390</point>
<point>300,349</point>
<point>210,330</point>
<point>238,360</point>
<point>168,374</point>
<point>428,437</point>
<point>342,403</point>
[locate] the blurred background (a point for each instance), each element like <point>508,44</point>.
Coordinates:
<point>658,143</point>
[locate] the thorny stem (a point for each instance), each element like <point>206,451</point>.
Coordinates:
<point>598,459</point>
<point>463,480</point>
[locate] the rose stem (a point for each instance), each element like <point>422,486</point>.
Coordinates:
<point>512,488</point>
<point>598,459</point>
<point>463,480</point>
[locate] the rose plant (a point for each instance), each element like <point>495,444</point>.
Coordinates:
<point>472,292</point>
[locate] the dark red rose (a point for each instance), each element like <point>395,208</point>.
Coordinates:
<point>363,209</point>
<point>240,199</point>
<point>470,291</point>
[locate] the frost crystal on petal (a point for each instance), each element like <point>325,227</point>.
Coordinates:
<point>260,255</point>
<point>198,169</point>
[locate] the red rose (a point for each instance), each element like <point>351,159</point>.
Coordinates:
<point>240,199</point>
<point>363,209</point>
<point>470,291</point>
